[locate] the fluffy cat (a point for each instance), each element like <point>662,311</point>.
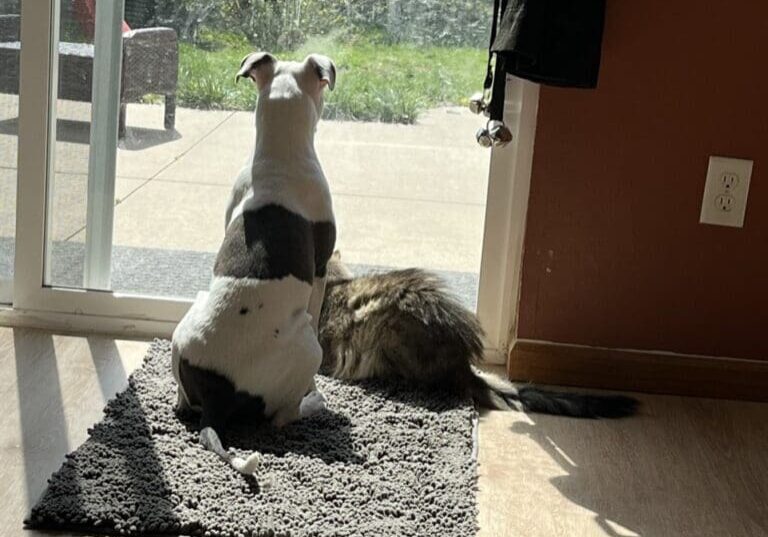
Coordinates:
<point>403,325</point>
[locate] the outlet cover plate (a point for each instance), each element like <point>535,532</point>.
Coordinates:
<point>720,182</point>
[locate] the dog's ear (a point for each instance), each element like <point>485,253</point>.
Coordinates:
<point>323,66</point>
<point>258,66</point>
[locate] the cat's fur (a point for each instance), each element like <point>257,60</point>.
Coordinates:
<point>403,325</point>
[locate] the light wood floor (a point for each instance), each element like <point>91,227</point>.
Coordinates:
<point>684,467</point>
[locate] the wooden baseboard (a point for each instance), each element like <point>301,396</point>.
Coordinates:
<point>573,365</point>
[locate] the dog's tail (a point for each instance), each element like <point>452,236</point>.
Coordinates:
<point>210,440</point>
<point>492,392</point>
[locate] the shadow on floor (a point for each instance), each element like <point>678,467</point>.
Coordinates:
<point>138,138</point>
<point>108,366</point>
<point>44,434</point>
<point>79,132</point>
<point>588,481</point>
<point>324,436</point>
<point>691,469</point>
<point>67,502</point>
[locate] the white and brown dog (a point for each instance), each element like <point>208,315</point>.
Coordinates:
<point>249,346</point>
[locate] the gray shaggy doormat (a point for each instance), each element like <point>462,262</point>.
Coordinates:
<point>380,461</point>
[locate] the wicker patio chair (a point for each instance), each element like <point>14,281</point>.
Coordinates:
<point>150,66</point>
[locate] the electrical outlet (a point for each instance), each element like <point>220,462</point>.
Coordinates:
<point>725,192</point>
<point>724,203</point>
<point>729,180</point>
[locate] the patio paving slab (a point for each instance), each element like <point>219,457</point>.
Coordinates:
<point>408,233</point>
<point>146,149</point>
<point>461,122</point>
<point>218,159</point>
<point>69,202</point>
<point>70,194</point>
<point>173,216</point>
<point>371,231</point>
<point>378,162</point>
<point>428,173</point>
<point>450,126</point>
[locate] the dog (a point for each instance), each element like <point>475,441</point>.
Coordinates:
<point>249,346</point>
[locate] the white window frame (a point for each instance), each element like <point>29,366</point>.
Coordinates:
<point>35,304</point>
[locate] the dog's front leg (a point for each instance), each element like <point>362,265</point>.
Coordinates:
<point>317,401</point>
<point>316,302</point>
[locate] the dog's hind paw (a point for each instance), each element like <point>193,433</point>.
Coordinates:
<point>313,403</point>
<point>246,466</point>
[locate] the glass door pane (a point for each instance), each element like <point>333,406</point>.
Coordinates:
<point>68,188</point>
<point>397,142</point>
<point>10,48</point>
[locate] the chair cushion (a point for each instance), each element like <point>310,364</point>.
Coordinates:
<point>85,13</point>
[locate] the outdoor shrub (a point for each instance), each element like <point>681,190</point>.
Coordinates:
<point>279,25</point>
<point>402,56</point>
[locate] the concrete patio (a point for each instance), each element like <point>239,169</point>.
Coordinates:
<point>404,195</point>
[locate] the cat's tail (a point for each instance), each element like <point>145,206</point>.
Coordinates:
<point>491,391</point>
<point>210,440</point>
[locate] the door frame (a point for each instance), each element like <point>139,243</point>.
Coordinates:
<point>505,216</point>
<point>38,305</point>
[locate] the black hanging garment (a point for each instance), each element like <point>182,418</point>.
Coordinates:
<point>554,42</point>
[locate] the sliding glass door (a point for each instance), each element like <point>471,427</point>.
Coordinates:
<point>133,131</point>
<point>10,48</point>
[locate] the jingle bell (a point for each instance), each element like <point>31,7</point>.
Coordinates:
<point>476,103</point>
<point>499,133</point>
<point>483,137</point>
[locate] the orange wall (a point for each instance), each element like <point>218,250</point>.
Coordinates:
<point>614,254</point>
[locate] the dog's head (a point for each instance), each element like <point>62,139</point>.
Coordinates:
<point>288,91</point>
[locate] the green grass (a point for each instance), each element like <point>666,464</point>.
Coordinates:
<point>375,82</point>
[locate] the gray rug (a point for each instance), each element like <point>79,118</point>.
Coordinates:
<point>380,461</point>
